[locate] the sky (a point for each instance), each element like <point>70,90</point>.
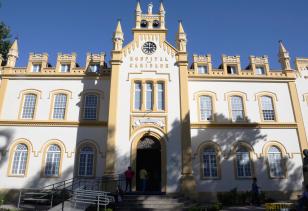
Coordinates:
<point>216,27</point>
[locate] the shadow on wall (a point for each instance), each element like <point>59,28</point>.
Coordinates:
<point>5,140</point>
<point>227,140</point>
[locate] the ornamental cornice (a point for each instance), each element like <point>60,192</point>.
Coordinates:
<point>38,123</point>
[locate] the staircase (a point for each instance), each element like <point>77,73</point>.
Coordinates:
<point>153,202</point>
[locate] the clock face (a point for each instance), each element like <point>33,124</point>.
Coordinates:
<point>149,48</point>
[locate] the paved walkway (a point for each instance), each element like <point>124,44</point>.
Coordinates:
<point>242,208</point>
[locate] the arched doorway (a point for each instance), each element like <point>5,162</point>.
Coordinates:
<point>149,157</point>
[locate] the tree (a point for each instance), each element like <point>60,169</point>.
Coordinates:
<point>5,41</point>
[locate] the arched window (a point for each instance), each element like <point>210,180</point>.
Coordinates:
<point>53,159</point>
<point>237,108</point>
<point>209,158</point>
<point>90,107</point>
<point>20,160</point>
<point>206,108</point>
<point>86,161</point>
<point>275,162</point>
<point>59,107</point>
<point>267,107</point>
<point>243,162</point>
<point>28,107</point>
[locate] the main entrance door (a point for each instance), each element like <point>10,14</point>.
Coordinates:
<point>149,158</point>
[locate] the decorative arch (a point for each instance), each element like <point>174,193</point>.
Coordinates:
<point>97,92</point>
<point>30,91</point>
<point>58,91</point>
<point>161,137</point>
<point>238,93</point>
<point>266,93</point>
<point>44,150</point>
<point>252,155</point>
<point>204,92</point>
<point>199,153</point>
<point>12,152</point>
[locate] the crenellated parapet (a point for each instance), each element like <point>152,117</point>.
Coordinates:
<point>231,68</point>
<point>66,66</point>
<point>301,64</point>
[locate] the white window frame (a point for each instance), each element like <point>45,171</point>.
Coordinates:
<point>94,68</point>
<point>28,106</point>
<point>57,107</point>
<point>138,92</point>
<point>202,69</point>
<point>268,114</point>
<point>210,162</point>
<point>206,108</point>
<point>161,96</point>
<point>260,70</point>
<point>237,108</point>
<point>88,160</point>
<point>90,109</point>
<point>149,96</point>
<point>240,153</point>
<point>233,70</point>
<point>276,168</point>
<point>20,158</point>
<point>53,161</point>
<point>65,68</point>
<point>36,68</point>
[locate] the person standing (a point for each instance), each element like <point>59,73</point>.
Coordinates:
<point>255,191</point>
<point>143,175</point>
<point>129,175</point>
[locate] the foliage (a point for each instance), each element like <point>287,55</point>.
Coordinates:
<point>233,197</point>
<point>5,42</point>
<point>212,207</point>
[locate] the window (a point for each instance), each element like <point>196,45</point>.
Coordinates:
<point>267,107</point>
<point>86,160</point>
<point>243,162</point>
<point>149,96</point>
<point>138,96</point>
<point>65,68</point>
<point>275,162</point>
<point>94,68</point>
<point>90,107</point>
<point>36,68</point>
<point>59,109</point>
<point>28,106</point>
<point>53,161</point>
<point>260,70</point>
<point>237,108</point>
<point>206,108</point>
<point>209,159</point>
<point>231,69</point>
<point>160,96</point>
<point>202,69</point>
<point>20,160</point>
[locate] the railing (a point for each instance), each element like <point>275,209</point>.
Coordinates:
<point>98,198</point>
<point>59,192</point>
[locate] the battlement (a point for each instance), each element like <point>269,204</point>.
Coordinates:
<point>231,67</point>
<point>65,66</point>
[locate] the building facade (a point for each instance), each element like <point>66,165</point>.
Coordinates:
<point>197,129</point>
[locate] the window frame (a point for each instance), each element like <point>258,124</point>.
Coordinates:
<point>44,157</point>
<point>232,66</point>
<point>22,96</point>
<point>12,154</point>
<point>252,156</point>
<point>200,150</point>
<point>228,97</point>
<point>52,97</point>
<point>274,98</point>
<point>232,109</point>
<point>262,67</point>
<point>154,83</point>
<point>198,107</point>
<point>94,162</point>
<point>36,65</point>
<point>67,65</point>
<point>205,68</point>
<point>84,105</point>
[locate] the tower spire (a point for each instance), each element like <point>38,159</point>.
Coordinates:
<point>13,54</point>
<point>181,39</point>
<point>138,13</point>
<point>284,57</point>
<point>161,7</point>
<point>138,7</point>
<point>118,37</point>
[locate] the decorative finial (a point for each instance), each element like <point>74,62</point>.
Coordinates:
<point>150,8</point>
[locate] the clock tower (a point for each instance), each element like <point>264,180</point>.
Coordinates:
<point>152,131</point>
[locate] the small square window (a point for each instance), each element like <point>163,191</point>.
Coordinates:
<point>65,68</point>
<point>260,70</point>
<point>94,68</point>
<point>202,69</point>
<point>36,68</point>
<point>231,70</point>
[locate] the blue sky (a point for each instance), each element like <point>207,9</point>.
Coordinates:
<point>231,27</point>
